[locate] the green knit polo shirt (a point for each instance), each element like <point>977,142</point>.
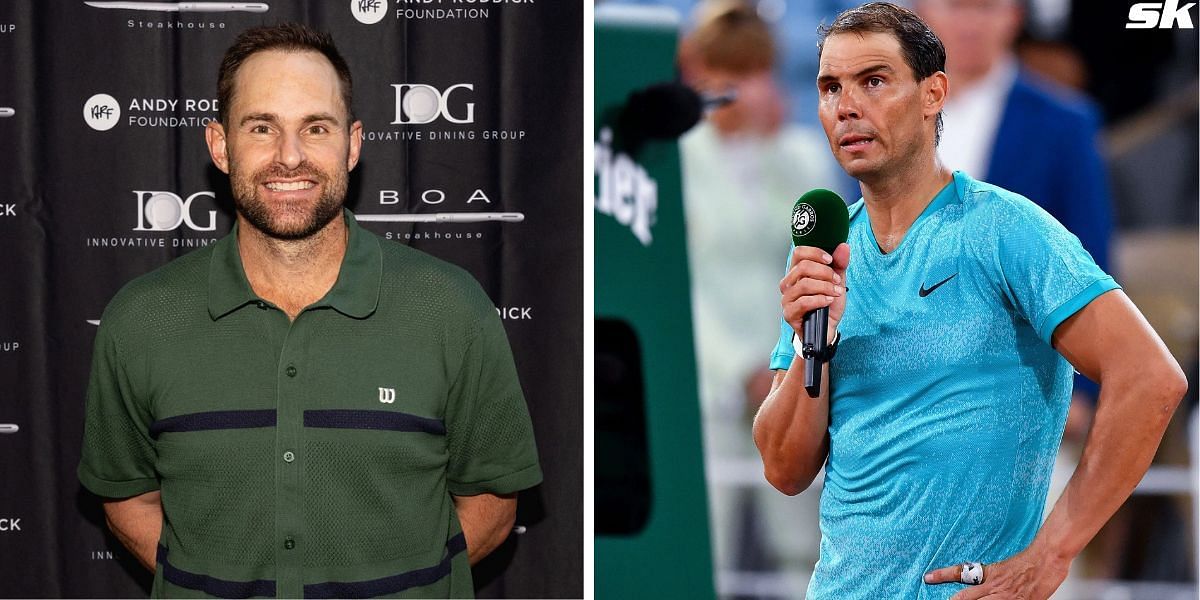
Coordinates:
<point>313,458</point>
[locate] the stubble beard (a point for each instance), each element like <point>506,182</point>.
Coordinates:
<point>280,222</point>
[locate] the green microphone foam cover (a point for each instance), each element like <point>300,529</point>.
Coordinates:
<point>820,218</point>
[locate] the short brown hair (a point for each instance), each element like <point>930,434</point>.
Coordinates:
<point>287,37</point>
<point>733,38</point>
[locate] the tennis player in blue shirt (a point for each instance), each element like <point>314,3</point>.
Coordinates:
<point>959,310</point>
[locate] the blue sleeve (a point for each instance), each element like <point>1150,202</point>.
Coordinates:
<point>781,357</point>
<point>1087,204</point>
<point>1044,270</point>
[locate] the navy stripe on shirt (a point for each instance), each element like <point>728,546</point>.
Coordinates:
<point>217,419</point>
<point>372,419</point>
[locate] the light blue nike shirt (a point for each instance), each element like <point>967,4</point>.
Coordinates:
<point>947,401</point>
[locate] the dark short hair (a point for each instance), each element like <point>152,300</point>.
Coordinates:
<point>922,50</point>
<point>286,37</point>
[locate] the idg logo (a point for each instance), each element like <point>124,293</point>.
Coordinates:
<point>418,104</point>
<point>1163,15</point>
<point>164,211</point>
<point>101,112</point>
<point>368,12</point>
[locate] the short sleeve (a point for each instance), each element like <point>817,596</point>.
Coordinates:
<point>781,357</point>
<point>118,454</point>
<point>1044,270</point>
<point>488,430</point>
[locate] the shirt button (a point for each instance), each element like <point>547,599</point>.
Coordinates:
<point>289,543</point>
<point>289,456</point>
<point>261,304</point>
<point>291,370</point>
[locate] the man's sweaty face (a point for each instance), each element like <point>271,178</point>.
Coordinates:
<point>869,102</point>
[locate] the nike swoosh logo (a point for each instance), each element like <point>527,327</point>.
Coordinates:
<point>927,291</point>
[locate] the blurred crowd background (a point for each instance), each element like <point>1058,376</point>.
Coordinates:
<point>1054,99</point>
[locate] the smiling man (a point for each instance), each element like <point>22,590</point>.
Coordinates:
<point>957,310</point>
<point>303,409</point>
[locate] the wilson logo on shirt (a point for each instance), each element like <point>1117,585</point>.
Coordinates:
<point>387,395</point>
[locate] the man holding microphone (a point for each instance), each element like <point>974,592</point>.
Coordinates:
<point>954,331</point>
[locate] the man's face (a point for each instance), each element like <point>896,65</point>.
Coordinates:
<point>289,146</point>
<point>977,33</point>
<point>875,114</point>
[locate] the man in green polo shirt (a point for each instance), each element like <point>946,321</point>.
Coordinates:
<point>303,409</point>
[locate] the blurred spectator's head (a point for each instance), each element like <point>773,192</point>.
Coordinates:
<point>731,50</point>
<point>977,33</point>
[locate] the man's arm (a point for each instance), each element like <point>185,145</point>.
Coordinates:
<point>791,429</point>
<point>1140,385</point>
<point>486,521</point>
<point>137,522</point>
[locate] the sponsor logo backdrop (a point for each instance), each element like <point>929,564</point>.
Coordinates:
<point>471,152</point>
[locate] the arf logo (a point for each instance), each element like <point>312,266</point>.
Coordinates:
<point>164,211</point>
<point>417,104</point>
<point>368,12</point>
<point>1163,15</point>
<point>101,112</point>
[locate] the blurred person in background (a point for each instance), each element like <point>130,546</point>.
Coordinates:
<point>1013,129</point>
<point>743,168</point>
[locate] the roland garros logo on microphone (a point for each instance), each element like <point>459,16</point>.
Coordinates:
<point>804,219</point>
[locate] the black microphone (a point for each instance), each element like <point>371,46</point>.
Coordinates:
<point>819,218</point>
<point>662,111</point>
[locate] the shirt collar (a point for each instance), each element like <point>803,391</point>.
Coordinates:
<point>949,193</point>
<point>354,294</point>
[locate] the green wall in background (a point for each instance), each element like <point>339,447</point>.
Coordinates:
<point>641,278</point>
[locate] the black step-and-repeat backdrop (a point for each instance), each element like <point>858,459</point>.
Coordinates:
<point>472,152</point>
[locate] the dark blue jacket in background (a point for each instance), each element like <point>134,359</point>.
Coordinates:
<point>1047,150</point>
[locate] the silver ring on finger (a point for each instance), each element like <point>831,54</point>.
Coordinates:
<point>971,573</point>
